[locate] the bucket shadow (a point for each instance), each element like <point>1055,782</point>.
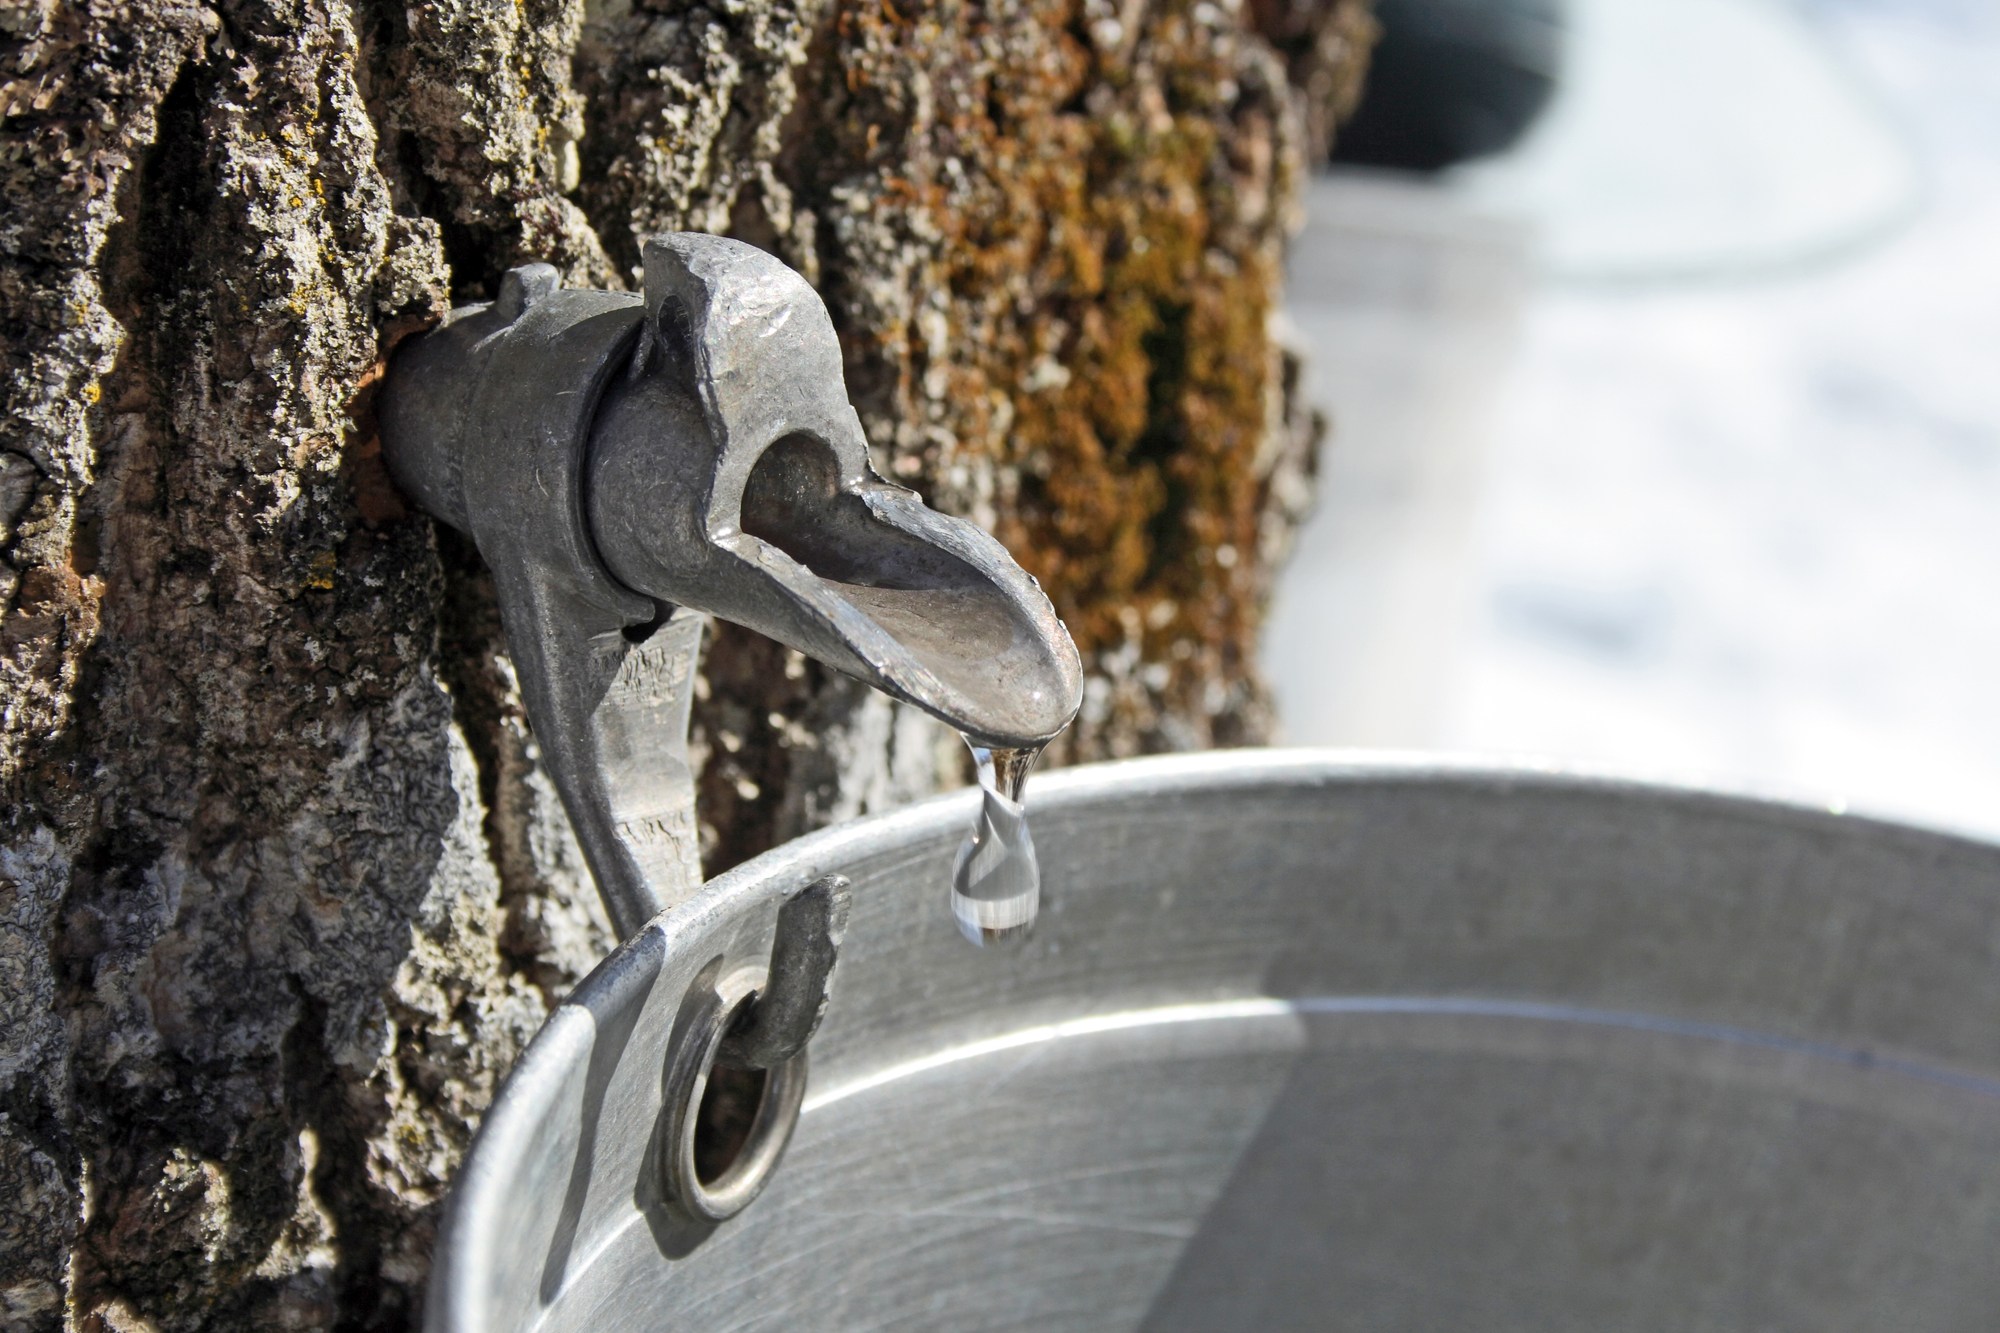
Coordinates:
<point>1497,1172</point>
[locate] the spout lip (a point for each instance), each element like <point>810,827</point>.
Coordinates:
<point>1022,696</point>
<point>1051,702</point>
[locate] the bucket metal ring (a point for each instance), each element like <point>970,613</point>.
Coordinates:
<point>689,1070</point>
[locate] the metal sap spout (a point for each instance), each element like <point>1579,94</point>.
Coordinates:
<point>625,464</point>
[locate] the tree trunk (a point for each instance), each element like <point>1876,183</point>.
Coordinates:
<point>282,889</point>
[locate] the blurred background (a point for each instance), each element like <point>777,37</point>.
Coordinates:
<point>1663,360</point>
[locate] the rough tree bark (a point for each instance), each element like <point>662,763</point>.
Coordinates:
<point>282,891</point>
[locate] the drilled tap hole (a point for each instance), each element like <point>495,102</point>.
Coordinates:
<point>724,1120</point>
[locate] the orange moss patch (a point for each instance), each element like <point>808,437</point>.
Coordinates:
<point>1095,221</point>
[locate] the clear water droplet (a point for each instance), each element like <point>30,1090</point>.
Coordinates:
<point>996,884</point>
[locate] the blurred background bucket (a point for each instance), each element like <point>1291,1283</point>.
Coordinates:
<point>1669,438</point>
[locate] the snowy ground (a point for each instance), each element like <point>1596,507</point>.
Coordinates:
<point>1722,504</point>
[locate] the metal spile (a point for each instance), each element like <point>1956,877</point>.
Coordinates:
<point>623,464</point>
<point>626,465</point>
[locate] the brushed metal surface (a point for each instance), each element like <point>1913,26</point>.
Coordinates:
<point>1307,1041</point>
<point>626,466</point>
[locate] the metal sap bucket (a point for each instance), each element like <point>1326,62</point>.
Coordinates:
<point>1305,1042</point>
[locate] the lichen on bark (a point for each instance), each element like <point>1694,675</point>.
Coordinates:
<point>283,890</point>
